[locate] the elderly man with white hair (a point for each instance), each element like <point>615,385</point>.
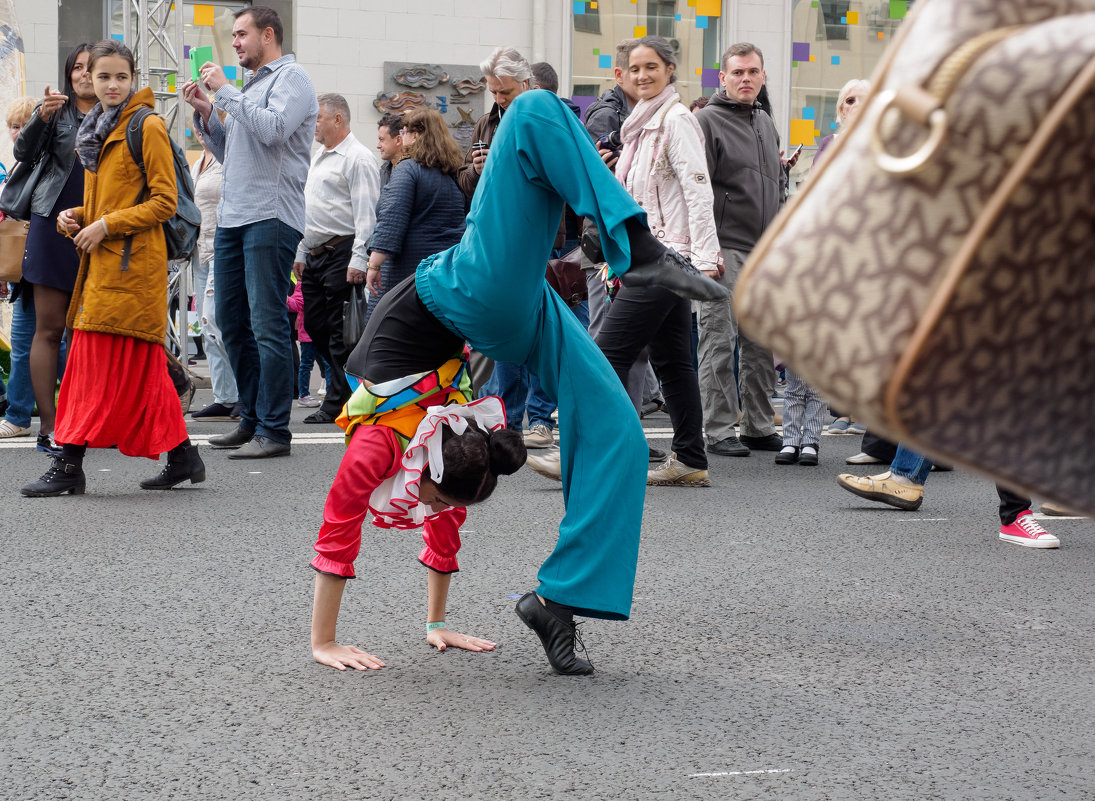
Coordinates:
<point>508,74</point>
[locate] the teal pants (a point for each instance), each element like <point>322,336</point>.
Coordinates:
<point>490,289</point>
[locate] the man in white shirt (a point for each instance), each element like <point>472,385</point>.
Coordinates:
<point>340,214</point>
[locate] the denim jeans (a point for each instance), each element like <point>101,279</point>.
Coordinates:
<point>220,371</point>
<point>911,465</point>
<point>520,389</point>
<point>20,391</point>
<point>251,270</point>
<point>309,357</point>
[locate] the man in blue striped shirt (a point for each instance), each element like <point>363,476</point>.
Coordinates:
<point>264,144</point>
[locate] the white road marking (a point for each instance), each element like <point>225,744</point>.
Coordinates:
<point>1040,516</point>
<point>924,519</point>
<point>739,773</point>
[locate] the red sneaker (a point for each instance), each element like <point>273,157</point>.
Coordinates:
<point>1025,531</point>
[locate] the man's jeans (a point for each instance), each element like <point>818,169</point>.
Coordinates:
<point>251,270</point>
<point>520,389</point>
<point>220,370</point>
<point>20,391</point>
<point>911,465</point>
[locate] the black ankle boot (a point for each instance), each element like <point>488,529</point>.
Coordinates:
<point>556,635</point>
<point>61,477</point>
<point>183,463</point>
<point>676,273</point>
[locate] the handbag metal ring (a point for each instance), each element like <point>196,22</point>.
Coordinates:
<point>916,161</point>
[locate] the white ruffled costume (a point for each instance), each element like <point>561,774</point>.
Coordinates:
<point>395,502</point>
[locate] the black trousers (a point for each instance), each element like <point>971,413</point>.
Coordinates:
<point>402,338</point>
<point>323,284</point>
<point>654,316</point>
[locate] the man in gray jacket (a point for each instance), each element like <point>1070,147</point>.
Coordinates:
<point>750,186</point>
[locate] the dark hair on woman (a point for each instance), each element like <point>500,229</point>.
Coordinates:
<point>434,146</point>
<point>70,65</point>
<point>475,459</point>
<point>663,50</point>
<point>699,102</point>
<point>111,47</point>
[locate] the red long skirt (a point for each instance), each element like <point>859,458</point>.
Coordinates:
<point>116,391</point>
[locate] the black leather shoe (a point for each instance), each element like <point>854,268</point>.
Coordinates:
<point>261,448</point>
<point>676,273</point>
<point>319,417</point>
<point>731,446</point>
<point>233,439</point>
<point>787,457</point>
<point>186,465</point>
<point>557,636</point>
<point>61,477</point>
<point>809,458</point>
<point>656,454</point>
<point>772,442</point>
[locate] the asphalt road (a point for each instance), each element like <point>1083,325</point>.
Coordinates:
<point>788,641</point>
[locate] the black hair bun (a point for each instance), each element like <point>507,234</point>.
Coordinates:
<point>507,451</point>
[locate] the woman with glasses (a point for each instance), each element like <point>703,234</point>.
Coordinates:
<point>848,103</point>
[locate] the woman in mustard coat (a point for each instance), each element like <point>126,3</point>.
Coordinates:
<point>116,390</point>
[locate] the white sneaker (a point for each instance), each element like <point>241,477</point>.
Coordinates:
<point>549,465</point>
<point>862,458</point>
<point>308,402</point>
<point>539,436</point>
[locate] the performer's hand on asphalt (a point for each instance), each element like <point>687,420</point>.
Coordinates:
<point>50,103</point>
<point>193,94</point>
<point>354,276</point>
<point>344,656</point>
<point>609,157</point>
<point>298,269</point>
<point>442,638</point>
<point>372,282</point>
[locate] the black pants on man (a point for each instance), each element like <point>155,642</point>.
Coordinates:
<point>324,287</point>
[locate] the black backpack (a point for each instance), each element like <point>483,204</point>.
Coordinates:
<point>181,230</point>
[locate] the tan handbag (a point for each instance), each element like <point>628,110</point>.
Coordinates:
<point>936,276</point>
<point>13,241</point>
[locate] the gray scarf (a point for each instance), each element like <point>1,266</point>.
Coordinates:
<point>94,130</point>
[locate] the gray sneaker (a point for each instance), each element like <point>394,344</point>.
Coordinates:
<point>539,436</point>
<point>672,473</point>
<point>549,465</point>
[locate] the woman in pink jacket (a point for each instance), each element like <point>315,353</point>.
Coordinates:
<point>663,166</point>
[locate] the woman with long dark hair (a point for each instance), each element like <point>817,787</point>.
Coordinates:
<point>421,209</point>
<point>50,260</point>
<point>116,390</point>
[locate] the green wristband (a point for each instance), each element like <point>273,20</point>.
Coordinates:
<point>440,624</point>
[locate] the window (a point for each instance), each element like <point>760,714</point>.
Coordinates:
<point>694,38</point>
<point>831,43</point>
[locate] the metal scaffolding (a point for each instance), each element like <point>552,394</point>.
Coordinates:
<point>154,32</point>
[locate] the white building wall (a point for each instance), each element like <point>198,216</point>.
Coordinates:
<point>344,43</point>
<point>767,24</point>
<point>38,24</point>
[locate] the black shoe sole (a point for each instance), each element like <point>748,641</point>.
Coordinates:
<point>76,490</point>
<point>193,478</point>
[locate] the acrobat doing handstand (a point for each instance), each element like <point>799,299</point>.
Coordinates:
<point>489,291</point>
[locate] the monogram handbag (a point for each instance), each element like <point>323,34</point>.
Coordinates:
<point>13,241</point>
<point>936,275</point>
